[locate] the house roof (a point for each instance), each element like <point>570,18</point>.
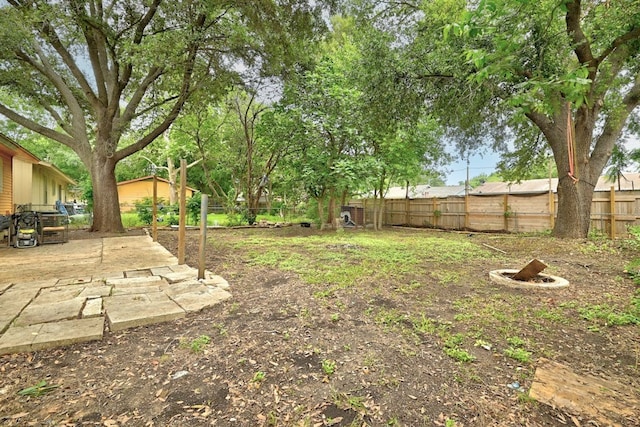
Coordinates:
<point>149,178</point>
<point>628,181</point>
<point>52,168</point>
<point>425,191</point>
<point>14,147</point>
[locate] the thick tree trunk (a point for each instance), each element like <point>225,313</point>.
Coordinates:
<point>173,179</point>
<point>376,212</point>
<point>574,208</point>
<point>331,214</point>
<point>320,201</point>
<point>579,171</point>
<point>106,206</point>
<point>380,213</point>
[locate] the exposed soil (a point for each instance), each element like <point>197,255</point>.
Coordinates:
<point>264,364</point>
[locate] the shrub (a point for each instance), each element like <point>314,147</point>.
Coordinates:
<point>144,210</point>
<point>248,216</point>
<point>193,208</point>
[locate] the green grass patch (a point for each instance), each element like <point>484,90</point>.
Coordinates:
<point>459,354</point>
<point>452,348</point>
<point>346,259</point>
<point>197,345</point>
<point>39,389</point>
<point>424,325</point>
<point>553,315</point>
<point>519,354</point>
<point>447,277</point>
<point>389,318</point>
<point>608,315</point>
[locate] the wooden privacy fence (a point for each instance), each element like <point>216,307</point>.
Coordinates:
<point>506,212</point>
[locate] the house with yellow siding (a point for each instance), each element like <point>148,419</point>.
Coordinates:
<point>27,180</point>
<point>134,190</point>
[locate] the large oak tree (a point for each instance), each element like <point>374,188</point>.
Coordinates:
<point>558,75</point>
<point>568,70</point>
<point>112,76</point>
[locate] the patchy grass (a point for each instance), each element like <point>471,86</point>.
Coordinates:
<point>399,327</point>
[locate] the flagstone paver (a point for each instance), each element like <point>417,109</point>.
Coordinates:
<point>52,311</point>
<point>66,293</point>
<point>128,311</point>
<point>96,291</point>
<point>92,308</point>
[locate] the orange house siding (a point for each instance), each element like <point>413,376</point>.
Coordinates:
<point>6,185</point>
<point>129,192</point>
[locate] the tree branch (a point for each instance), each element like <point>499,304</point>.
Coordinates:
<point>137,39</point>
<point>548,127</point>
<point>51,36</point>
<point>38,128</point>
<point>630,35</point>
<point>129,111</point>
<point>47,71</point>
<point>581,45</point>
<point>613,126</point>
<point>185,92</point>
<point>96,44</point>
<point>62,123</point>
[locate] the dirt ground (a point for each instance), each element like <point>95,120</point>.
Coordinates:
<point>283,353</point>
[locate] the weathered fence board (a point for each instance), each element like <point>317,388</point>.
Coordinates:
<point>508,212</point>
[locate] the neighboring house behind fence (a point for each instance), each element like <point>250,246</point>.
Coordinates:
<point>134,190</point>
<point>525,207</point>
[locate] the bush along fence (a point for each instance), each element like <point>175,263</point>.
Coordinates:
<point>612,212</point>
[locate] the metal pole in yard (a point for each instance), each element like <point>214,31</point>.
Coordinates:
<point>182,229</point>
<point>204,203</point>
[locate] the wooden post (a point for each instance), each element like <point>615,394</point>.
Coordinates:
<point>466,210</point>
<point>182,228</point>
<point>435,209</point>
<point>552,200</point>
<point>552,209</point>
<point>407,218</point>
<point>204,204</point>
<point>612,209</point>
<point>154,209</point>
<point>364,214</point>
<point>505,214</point>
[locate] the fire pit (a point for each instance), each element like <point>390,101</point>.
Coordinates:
<point>528,277</point>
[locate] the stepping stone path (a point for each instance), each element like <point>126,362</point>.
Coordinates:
<point>62,312</point>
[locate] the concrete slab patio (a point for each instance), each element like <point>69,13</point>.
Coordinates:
<point>61,294</point>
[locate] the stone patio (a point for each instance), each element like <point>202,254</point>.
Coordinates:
<point>67,293</point>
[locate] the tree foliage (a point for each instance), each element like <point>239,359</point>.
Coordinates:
<point>360,126</point>
<point>111,78</point>
<point>568,70</point>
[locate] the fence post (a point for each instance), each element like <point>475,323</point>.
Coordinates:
<point>182,229</point>
<point>364,214</point>
<point>505,214</point>
<point>466,209</point>
<point>612,208</point>
<point>435,215</point>
<point>407,219</point>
